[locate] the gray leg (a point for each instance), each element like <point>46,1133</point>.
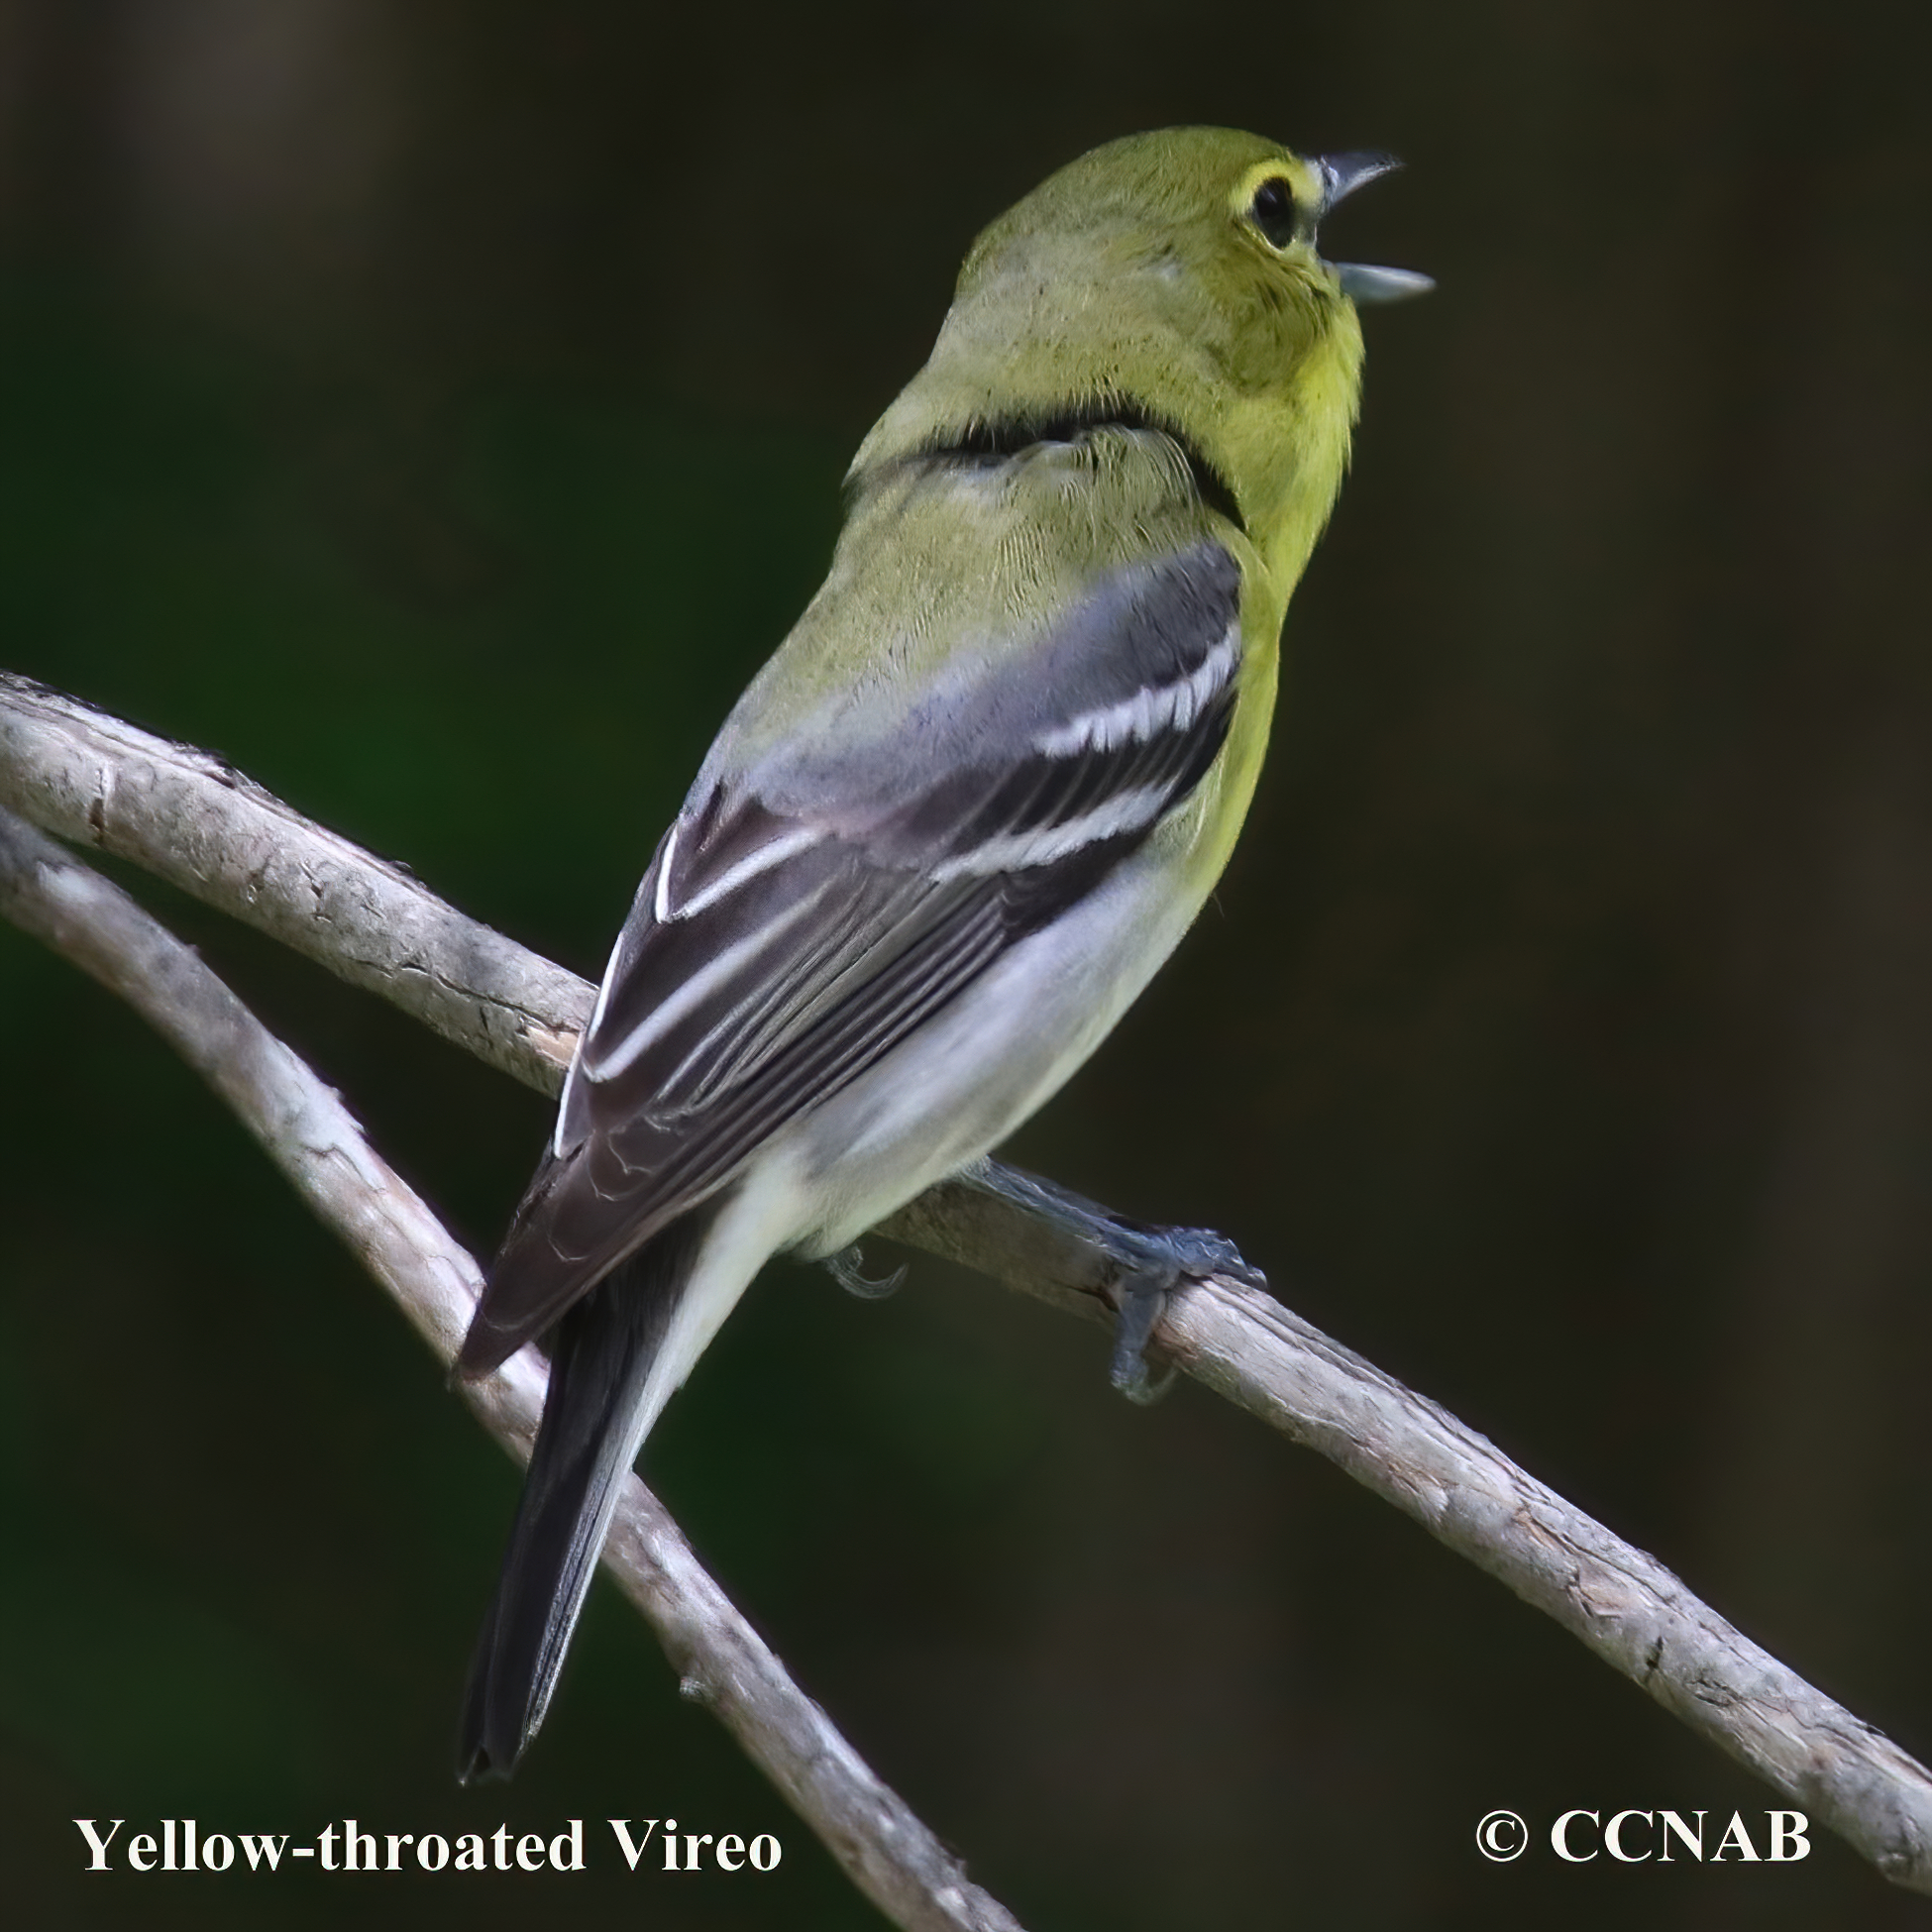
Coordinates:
<point>1145,1262</point>
<point>847,1268</point>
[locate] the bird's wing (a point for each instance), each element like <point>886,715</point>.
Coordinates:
<point>796,924</point>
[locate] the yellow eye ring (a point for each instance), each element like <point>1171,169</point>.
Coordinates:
<point>1268,202</point>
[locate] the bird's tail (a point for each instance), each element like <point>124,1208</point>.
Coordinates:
<point>601,1403</point>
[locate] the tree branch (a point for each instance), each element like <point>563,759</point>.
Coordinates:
<point>191,818</point>
<point>320,1147</point>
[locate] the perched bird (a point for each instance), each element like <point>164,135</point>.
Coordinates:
<point>958,820</point>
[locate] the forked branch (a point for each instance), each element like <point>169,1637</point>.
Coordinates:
<point>320,1147</point>
<point>188,818</point>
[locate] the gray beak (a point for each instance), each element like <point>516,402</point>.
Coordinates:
<point>1341,175</point>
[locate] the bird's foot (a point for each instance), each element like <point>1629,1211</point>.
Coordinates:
<point>1145,1265</point>
<point>1149,1263</point>
<point>847,1268</point>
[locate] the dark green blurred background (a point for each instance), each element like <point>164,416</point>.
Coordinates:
<point>440,410</point>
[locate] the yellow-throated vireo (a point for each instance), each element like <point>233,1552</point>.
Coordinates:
<point>958,820</point>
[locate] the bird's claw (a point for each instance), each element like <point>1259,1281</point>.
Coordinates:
<point>1141,1303</point>
<point>847,1268</point>
<point>1145,1263</point>
<point>1151,1264</point>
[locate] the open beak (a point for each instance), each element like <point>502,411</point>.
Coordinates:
<point>1341,175</point>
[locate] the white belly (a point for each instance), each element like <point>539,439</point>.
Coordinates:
<point>968,1077</point>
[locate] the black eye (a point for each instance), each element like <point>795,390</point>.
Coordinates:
<point>1273,211</point>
